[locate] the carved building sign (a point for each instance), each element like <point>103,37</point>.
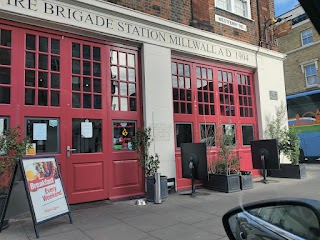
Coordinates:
<point>93,20</point>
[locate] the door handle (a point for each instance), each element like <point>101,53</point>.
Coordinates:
<point>69,150</point>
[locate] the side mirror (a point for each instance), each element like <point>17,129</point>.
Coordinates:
<point>274,219</point>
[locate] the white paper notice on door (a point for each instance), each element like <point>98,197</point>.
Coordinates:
<point>40,131</point>
<point>1,126</point>
<point>86,129</point>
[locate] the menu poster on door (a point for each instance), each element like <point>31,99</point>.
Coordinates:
<point>40,131</point>
<point>44,186</point>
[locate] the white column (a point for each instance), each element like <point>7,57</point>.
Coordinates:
<point>268,77</point>
<point>158,106</point>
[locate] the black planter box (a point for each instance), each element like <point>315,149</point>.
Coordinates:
<point>163,186</point>
<point>223,183</point>
<point>289,171</point>
<point>246,182</point>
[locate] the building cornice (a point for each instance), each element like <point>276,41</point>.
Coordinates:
<point>178,36</point>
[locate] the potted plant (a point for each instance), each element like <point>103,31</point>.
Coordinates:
<point>12,147</point>
<point>246,181</point>
<point>288,145</point>
<point>223,175</point>
<point>141,143</point>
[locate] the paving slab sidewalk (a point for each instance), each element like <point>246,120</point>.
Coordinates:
<point>179,217</point>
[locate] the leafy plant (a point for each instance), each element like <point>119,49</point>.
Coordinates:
<point>12,147</point>
<point>288,139</point>
<point>276,126</point>
<point>291,145</point>
<point>227,161</point>
<point>141,143</point>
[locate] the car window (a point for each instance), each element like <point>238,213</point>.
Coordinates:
<point>298,220</point>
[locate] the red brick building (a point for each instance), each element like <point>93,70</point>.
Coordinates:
<point>112,66</point>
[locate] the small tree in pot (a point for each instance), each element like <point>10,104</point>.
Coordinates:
<point>141,143</point>
<point>223,171</point>
<point>288,145</point>
<point>12,147</point>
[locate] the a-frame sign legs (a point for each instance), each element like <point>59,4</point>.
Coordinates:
<point>3,214</point>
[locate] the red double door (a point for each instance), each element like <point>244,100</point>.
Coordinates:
<point>67,94</point>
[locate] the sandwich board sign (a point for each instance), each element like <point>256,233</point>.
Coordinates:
<point>44,187</point>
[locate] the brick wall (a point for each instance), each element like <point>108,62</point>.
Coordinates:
<point>201,14</point>
<point>296,54</point>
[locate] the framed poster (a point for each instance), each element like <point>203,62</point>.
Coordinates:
<point>44,188</point>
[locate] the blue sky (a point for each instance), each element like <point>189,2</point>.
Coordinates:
<point>282,6</point>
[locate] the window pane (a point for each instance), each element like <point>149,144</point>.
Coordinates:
<point>43,61</point>
<point>207,132</point>
<point>5,75</point>
<point>30,42</point>
<point>55,98</point>
<point>96,53</point>
<point>55,80</point>
<point>97,85</point>
<point>86,144</point>
<point>86,52</point>
<point>76,100</point>
<point>229,133</point>
<point>76,83</point>
<point>131,62</point>
<point>86,84</point>
<point>124,104</point>
<point>51,143</point>
<point>43,98</point>
<point>122,135</point>
<point>4,95</point>
<point>247,134</point>
<point>5,121</point>
<point>5,56</point>
<point>76,50</point>
<point>75,66</point>
<point>86,68</point>
<point>87,101</point>
<point>55,46</point>
<point>43,79</point>
<point>183,133</point>
<point>55,63</point>
<point>97,101</point>
<point>5,38</point>
<point>43,44</point>
<point>29,97</point>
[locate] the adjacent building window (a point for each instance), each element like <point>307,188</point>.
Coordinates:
<point>183,133</point>
<point>310,72</point>
<point>306,37</point>
<point>239,7</point>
